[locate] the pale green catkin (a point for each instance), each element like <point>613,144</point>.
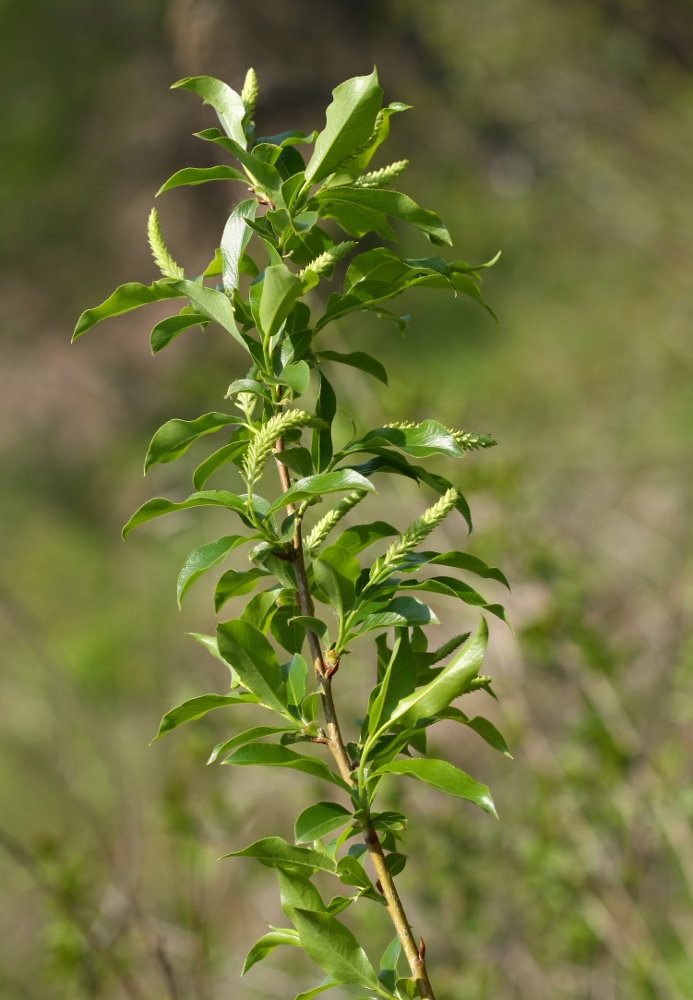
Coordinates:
<point>383,177</point>
<point>160,253</point>
<point>249,95</point>
<point>333,517</point>
<point>416,533</point>
<point>260,448</point>
<point>327,260</point>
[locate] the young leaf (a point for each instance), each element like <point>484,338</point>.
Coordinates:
<point>297,890</point>
<point>445,777</point>
<point>252,657</point>
<point>235,583</point>
<point>235,449</point>
<point>212,304</point>
<point>296,676</point>
<point>159,505</point>
<point>317,820</point>
<point>399,682</point>
<point>197,707</point>
<point>392,203</point>
<point>325,409</point>
<point>225,101</point>
<point>334,948</point>
<point>450,683</point>
<point>328,983</point>
<point>204,557</point>
<point>400,612</point>
<point>486,730</point>
<point>125,298</point>
<point>267,943</point>
<point>350,121</point>
<point>336,573</point>
<point>234,240</point>
<point>296,376</point>
<point>276,853</point>
<point>356,360</point>
<point>274,755</point>
<point>201,175</point>
<point>165,331</point>
<point>175,437</point>
<point>249,736</point>
<point>280,290</point>
<point>360,536</point>
<point>327,482</point>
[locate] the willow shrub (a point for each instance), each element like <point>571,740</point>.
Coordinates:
<point>318,588</point>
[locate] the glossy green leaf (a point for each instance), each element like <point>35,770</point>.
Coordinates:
<point>445,777</point>
<point>422,440</point>
<point>327,482</point>
<point>350,871</point>
<point>334,948</point>
<point>159,505</point>
<point>234,240</point>
<point>350,120</point>
<point>357,220</point>
<point>299,460</point>
<point>450,683</point>
<point>400,612</point>
<point>274,755</point>
<point>296,376</point>
<point>452,587</point>
<point>456,560</point>
<point>336,572</point>
<point>485,729</point>
<point>249,736</point>
<point>204,557</point>
<point>263,175</point>
<point>280,290</point>
<point>212,304</point>
<point>225,101</point>
<point>360,536</point>
<point>296,889</point>
<point>248,385</point>
<point>201,175</point>
<point>320,819</point>
<point>236,583</point>
<point>267,943</point>
<point>125,298</point>
<point>233,450</point>
<point>210,644</point>
<point>175,437</point>
<point>358,359</point>
<point>325,409</point>
<point>390,203</point>
<point>398,683</point>
<point>328,983</point>
<point>311,623</point>
<point>276,853</point>
<point>296,675</point>
<point>168,329</point>
<point>197,707</point>
<point>259,609</point>
<point>250,654</point>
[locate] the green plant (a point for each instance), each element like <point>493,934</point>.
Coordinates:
<point>273,323</point>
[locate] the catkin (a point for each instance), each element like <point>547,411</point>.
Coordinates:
<point>160,253</point>
<point>333,517</point>
<point>260,448</point>
<point>415,534</point>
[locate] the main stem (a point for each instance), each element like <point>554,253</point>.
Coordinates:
<point>414,954</point>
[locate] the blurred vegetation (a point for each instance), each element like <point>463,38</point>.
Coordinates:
<point>560,134</point>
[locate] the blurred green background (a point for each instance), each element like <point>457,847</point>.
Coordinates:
<point>560,133</point>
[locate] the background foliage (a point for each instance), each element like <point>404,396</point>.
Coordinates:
<point>555,132</point>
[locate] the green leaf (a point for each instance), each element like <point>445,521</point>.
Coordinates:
<point>280,290</point>
<point>327,984</point>
<point>325,409</point>
<point>450,683</point>
<point>165,331</point>
<point>350,122</point>
<point>457,560</point>
<point>274,755</point>
<point>311,623</point>
<point>452,587</point>
<point>249,736</point>
<point>204,557</point>
<point>276,853</point>
<point>225,101</point>
<point>197,707</point>
<point>250,654</point>
<point>336,572</point>
<point>360,536</point>
<point>296,675</point>
<point>248,385</point>
<point>234,449</point>
<point>296,889</point>
<point>175,437</point>
<point>388,964</point>
<point>422,440</point>
<point>445,777</point>
<point>159,505</point>
<point>400,612</point>
<point>358,359</point>
<point>392,203</point>
<point>334,948</point>
<point>235,583</point>
<point>259,609</point>
<point>299,460</point>
<point>263,175</point>
<point>399,682</point>
<point>317,820</point>
<point>356,220</point>
<point>234,240</point>
<point>485,729</point>
<point>125,298</point>
<point>351,872</point>
<point>200,175</point>
<point>267,943</point>
<point>327,482</point>
<point>296,376</point>
<point>212,304</point>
